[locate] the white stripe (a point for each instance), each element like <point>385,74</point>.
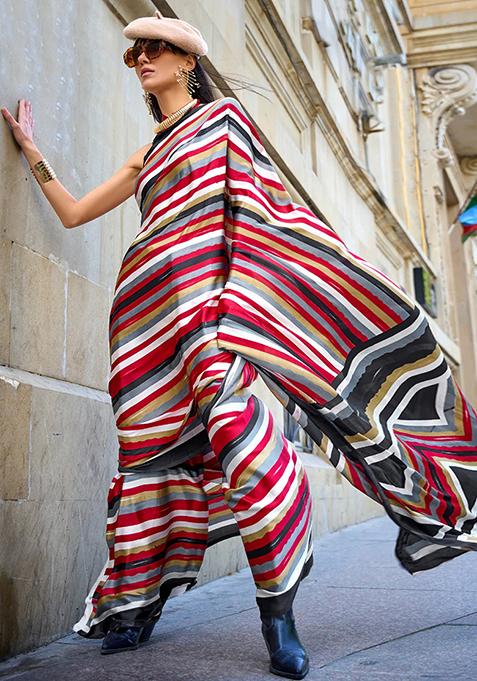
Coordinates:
<point>157,523</point>
<point>164,254</point>
<point>198,302</point>
<point>351,374</point>
<point>157,384</point>
<point>286,323</point>
<point>189,121</point>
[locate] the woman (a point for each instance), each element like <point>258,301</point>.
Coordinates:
<point>226,279</point>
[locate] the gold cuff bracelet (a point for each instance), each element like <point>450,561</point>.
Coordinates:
<point>45,171</point>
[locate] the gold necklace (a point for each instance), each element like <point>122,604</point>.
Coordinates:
<point>173,117</point>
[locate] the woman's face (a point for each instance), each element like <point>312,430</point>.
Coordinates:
<point>159,73</point>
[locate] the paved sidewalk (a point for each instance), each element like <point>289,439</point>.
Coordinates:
<point>360,615</point>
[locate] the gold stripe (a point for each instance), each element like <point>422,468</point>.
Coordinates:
<point>264,356</point>
<point>280,578</point>
<point>346,285</point>
<point>294,314</point>
<point>168,240</point>
<point>391,379</point>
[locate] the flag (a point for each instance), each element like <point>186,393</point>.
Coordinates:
<point>468,219</point>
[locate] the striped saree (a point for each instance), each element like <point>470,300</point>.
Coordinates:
<point>228,279</point>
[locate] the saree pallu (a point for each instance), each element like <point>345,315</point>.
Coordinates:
<point>225,261</point>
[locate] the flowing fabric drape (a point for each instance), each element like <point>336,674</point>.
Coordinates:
<point>226,279</point>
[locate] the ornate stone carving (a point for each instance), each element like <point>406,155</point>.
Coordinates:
<point>447,92</point>
<point>468,165</point>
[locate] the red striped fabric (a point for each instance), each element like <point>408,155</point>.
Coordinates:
<point>228,279</point>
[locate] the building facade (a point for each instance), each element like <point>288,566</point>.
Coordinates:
<point>368,110</point>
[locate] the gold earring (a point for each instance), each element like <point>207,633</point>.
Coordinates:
<point>148,99</point>
<point>187,79</point>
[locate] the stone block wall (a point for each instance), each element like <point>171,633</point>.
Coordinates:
<point>58,449</point>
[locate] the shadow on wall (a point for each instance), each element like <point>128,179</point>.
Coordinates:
<point>9,615</point>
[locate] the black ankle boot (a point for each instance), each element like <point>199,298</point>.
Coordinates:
<point>122,636</point>
<point>287,655</point>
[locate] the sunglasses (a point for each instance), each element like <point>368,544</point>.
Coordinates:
<point>151,48</point>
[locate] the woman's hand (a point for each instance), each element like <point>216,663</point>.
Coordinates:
<point>22,130</point>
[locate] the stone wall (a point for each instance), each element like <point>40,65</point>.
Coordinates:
<point>58,448</point>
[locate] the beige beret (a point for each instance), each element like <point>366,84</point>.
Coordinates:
<point>175,31</point>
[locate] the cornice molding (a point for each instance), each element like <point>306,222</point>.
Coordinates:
<point>442,45</point>
<point>447,92</point>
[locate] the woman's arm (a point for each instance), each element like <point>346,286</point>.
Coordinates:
<point>103,198</point>
<point>74,212</point>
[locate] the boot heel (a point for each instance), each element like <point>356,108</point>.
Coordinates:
<point>146,632</point>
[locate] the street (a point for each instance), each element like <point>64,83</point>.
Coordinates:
<point>360,615</point>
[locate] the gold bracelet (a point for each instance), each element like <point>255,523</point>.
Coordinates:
<point>44,170</point>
